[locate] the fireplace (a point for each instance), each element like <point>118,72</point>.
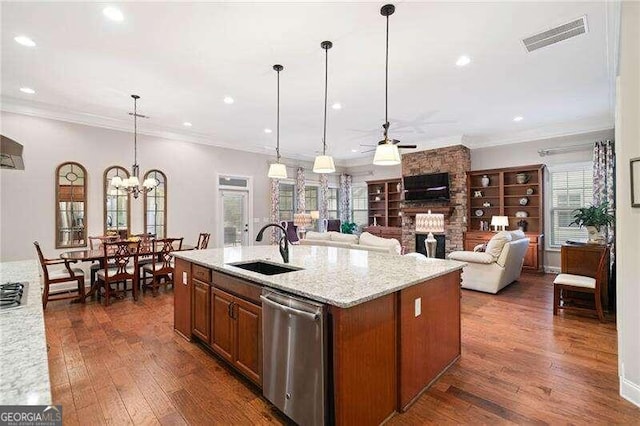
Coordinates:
<point>440,244</point>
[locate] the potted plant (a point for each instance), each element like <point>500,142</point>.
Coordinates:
<point>348,227</point>
<point>594,218</point>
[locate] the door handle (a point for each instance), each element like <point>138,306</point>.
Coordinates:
<point>231,310</point>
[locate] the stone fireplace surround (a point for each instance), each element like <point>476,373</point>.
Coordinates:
<point>455,160</point>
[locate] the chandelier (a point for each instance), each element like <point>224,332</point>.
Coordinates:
<point>132,184</point>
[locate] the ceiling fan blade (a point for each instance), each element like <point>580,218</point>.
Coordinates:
<point>366,144</point>
<point>408,146</point>
<point>367,151</point>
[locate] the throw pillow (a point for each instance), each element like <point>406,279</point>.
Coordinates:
<point>495,244</point>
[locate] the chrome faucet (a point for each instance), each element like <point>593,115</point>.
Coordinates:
<point>284,247</point>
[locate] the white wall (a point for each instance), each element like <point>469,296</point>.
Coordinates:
<point>628,218</point>
<point>525,153</point>
<point>27,197</point>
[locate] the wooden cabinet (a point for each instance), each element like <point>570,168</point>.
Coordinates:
<point>533,260</point>
<point>515,192</point>
<point>237,333</point>
<point>182,298</point>
<point>201,309</point>
<point>384,197</point>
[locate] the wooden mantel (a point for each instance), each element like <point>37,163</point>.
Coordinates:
<point>412,211</point>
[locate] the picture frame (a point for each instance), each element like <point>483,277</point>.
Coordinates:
<point>635,181</point>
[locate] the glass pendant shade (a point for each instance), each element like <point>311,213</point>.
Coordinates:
<point>277,171</point>
<point>324,164</point>
<point>387,155</point>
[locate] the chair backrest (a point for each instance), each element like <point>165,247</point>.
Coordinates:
<point>332,225</point>
<point>42,260</point>
<point>164,249</point>
<point>601,265</point>
<point>96,242</point>
<point>512,257</point>
<point>118,257</point>
<point>203,241</point>
<point>292,231</point>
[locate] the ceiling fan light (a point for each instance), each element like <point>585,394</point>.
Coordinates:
<point>277,171</point>
<point>387,155</point>
<point>324,164</point>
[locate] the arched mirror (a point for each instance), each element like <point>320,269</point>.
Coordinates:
<point>155,205</point>
<point>117,202</point>
<point>71,205</point>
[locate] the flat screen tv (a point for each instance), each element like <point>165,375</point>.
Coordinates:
<point>431,187</point>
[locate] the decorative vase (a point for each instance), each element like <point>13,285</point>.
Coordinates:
<point>522,224</point>
<point>594,236</point>
<point>485,181</point>
<point>522,178</point>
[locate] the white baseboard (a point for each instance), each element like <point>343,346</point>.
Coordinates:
<point>630,391</point>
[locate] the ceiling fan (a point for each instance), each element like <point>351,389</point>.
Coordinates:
<point>396,142</point>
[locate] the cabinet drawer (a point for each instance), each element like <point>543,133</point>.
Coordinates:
<point>201,273</point>
<point>238,287</point>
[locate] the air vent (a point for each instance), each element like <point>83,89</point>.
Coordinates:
<point>557,34</point>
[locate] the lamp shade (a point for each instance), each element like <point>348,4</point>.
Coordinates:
<point>499,221</point>
<point>132,181</point>
<point>315,215</point>
<point>324,164</point>
<point>429,222</point>
<point>277,171</point>
<point>150,183</point>
<point>387,154</point>
<point>116,181</point>
<point>302,220</point>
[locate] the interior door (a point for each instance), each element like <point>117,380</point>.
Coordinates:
<point>235,218</point>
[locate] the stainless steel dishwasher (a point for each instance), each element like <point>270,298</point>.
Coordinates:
<point>294,333</point>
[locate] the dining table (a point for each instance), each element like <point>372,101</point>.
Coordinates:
<point>89,255</point>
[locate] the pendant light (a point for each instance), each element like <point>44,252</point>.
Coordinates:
<point>278,170</point>
<point>324,163</point>
<point>132,184</point>
<point>387,153</point>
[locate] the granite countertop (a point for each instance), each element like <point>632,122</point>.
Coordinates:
<point>336,276</point>
<point>23,345</point>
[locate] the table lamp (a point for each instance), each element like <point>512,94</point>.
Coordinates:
<point>502,221</point>
<point>302,221</point>
<point>430,223</point>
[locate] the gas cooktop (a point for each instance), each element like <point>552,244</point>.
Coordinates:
<point>12,295</point>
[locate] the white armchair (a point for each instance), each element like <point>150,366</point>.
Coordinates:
<point>498,266</point>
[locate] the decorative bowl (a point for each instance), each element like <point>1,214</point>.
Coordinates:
<point>524,201</point>
<point>520,214</point>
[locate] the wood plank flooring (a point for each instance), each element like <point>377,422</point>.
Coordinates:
<point>520,365</point>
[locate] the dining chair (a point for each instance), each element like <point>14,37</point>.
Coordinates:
<point>95,243</point>
<point>162,264</point>
<point>120,265</point>
<point>60,276</point>
<point>203,241</point>
<point>580,284</point>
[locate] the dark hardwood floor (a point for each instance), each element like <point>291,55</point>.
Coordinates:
<point>520,364</point>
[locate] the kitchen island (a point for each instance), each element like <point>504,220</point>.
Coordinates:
<point>394,322</point>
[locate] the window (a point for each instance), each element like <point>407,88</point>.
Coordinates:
<point>117,202</point>
<point>359,205</point>
<point>332,203</point>
<point>310,198</point>
<point>155,205</point>
<point>287,191</point>
<point>571,188</point>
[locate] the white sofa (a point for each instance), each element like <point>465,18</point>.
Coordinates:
<point>365,241</point>
<point>498,266</point>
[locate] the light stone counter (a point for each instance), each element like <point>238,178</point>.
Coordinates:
<point>24,375</point>
<point>337,276</point>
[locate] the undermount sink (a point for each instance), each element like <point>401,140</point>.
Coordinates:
<point>264,268</point>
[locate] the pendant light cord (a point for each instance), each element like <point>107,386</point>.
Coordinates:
<point>326,84</point>
<point>386,84</point>
<point>135,132</point>
<point>278,122</point>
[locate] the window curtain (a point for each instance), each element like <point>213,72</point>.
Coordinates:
<point>275,209</point>
<point>604,159</point>
<point>300,193</point>
<point>345,198</point>
<point>324,201</point>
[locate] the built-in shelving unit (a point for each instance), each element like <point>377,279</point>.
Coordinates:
<point>384,202</point>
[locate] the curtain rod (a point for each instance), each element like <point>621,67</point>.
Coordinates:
<point>570,148</point>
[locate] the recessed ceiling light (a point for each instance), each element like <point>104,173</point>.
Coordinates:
<point>354,150</point>
<point>187,124</point>
<point>228,100</point>
<point>463,61</point>
<point>28,90</point>
<point>113,13</point>
<point>336,105</point>
<point>268,130</point>
<point>518,118</point>
<point>25,41</point>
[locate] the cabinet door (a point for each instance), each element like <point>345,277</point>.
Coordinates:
<point>182,298</point>
<point>248,339</point>
<point>531,257</point>
<point>201,309</point>
<point>222,324</point>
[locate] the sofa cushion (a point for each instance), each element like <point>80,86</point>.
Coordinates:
<point>496,244</point>
<point>341,244</point>
<point>368,239</point>
<point>378,249</point>
<point>312,242</point>
<point>344,238</point>
<point>312,235</point>
<point>517,235</point>
<point>472,257</point>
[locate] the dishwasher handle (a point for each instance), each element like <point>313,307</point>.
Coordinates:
<point>309,315</point>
